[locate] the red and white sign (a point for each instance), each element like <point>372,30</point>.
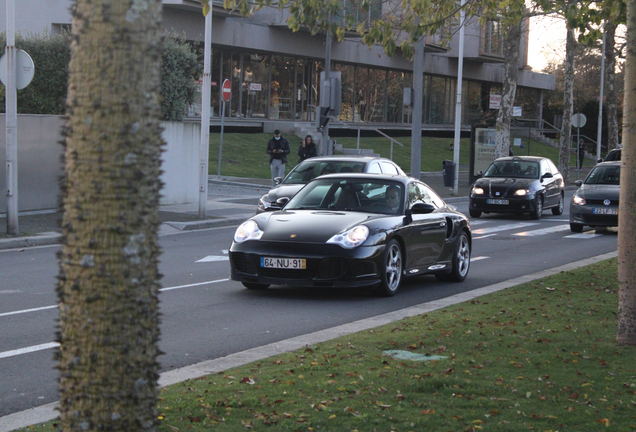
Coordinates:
<point>495,101</point>
<point>226,90</point>
<point>255,86</point>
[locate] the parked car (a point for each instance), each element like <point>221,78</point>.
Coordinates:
<point>613,155</point>
<point>311,168</point>
<point>353,230</point>
<point>518,184</point>
<point>595,203</point>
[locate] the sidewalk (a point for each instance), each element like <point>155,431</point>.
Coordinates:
<point>231,200</point>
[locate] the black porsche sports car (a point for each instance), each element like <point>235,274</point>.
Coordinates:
<point>311,168</point>
<point>596,201</point>
<point>353,230</point>
<point>518,184</point>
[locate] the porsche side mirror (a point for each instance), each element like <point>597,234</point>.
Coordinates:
<point>422,208</point>
<point>599,160</point>
<point>546,175</point>
<point>277,180</point>
<point>578,183</point>
<point>282,201</point>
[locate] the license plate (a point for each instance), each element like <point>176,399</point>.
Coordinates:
<point>284,263</point>
<point>605,211</point>
<point>497,201</point>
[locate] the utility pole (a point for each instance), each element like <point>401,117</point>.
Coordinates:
<point>416,122</point>
<point>204,148</point>
<point>11,125</point>
<point>600,103</point>
<point>458,109</point>
<point>326,147</point>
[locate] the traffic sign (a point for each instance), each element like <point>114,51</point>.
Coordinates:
<point>226,90</point>
<point>579,120</point>
<point>24,69</point>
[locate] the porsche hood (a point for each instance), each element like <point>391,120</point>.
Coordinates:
<point>307,226</point>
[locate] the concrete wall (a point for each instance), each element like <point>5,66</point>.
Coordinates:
<point>40,166</point>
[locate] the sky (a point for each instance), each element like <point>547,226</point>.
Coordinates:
<point>547,42</point>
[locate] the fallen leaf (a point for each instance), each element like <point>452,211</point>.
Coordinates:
<point>427,412</point>
<point>604,421</point>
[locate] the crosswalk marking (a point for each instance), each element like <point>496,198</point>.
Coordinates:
<point>211,258</point>
<point>543,231</point>
<point>586,235</point>
<point>481,231</point>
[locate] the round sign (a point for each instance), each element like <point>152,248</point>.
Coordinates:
<point>24,69</point>
<point>226,90</point>
<point>579,120</point>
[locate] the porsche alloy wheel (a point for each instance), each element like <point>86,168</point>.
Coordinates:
<point>460,262</point>
<point>391,269</point>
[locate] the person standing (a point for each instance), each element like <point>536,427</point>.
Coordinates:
<point>581,152</point>
<point>307,149</point>
<point>277,149</point>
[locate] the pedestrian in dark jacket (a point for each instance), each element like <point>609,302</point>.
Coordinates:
<point>277,149</point>
<point>581,152</point>
<point>307,149</point>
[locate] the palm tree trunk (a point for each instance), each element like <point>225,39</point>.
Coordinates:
<point>566,127</point>
<point>626,333</point>
<point>108,280</point>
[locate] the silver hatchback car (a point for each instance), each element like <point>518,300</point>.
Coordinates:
<point>311,168</point>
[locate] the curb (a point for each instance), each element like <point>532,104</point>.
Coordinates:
<point>49,412</point>
<point>43,239</point>
<point>210,223</point>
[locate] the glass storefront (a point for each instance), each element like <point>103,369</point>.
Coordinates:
<point>268,86</point>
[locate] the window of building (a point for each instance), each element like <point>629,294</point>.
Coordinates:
<point>493,38</point>
<point>395,96</point>
<point>281,102</point>
<point>376,96</point>
<point>347,76</point>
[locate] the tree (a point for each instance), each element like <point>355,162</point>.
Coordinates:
<point>108,278</point>
<point>179,68</point>
<point>626,332</point>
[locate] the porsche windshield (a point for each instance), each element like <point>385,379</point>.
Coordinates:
<point>604,175</point>
<point>358,195</point>
<point>513,169</point>
<point>310,169</point>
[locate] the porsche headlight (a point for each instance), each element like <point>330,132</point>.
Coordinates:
<point>577,200</point>
<point>248,230</point>
<point>522,192</point>
<point>264,202</point>
<point>478,191</point>
<point>351,238</point>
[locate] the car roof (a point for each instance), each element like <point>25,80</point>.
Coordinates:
<point>390,177</point>
<point>609,163</point>
<point>521,158</point>
<point>349,158</point>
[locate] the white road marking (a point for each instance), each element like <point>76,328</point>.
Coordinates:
<point>27,310</point>
<point>499,228</point>
<point>583,235</point>
<point>479,258</point>
<point>162,289</point>
<point>49,345</point>
<point>211,258</point>
<point>484,236</point>
<point>543,231</point>
<point>30,349</point>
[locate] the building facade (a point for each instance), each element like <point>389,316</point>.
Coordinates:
<point>275,73</point>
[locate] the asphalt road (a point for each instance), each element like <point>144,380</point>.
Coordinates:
<point>206,316</point>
